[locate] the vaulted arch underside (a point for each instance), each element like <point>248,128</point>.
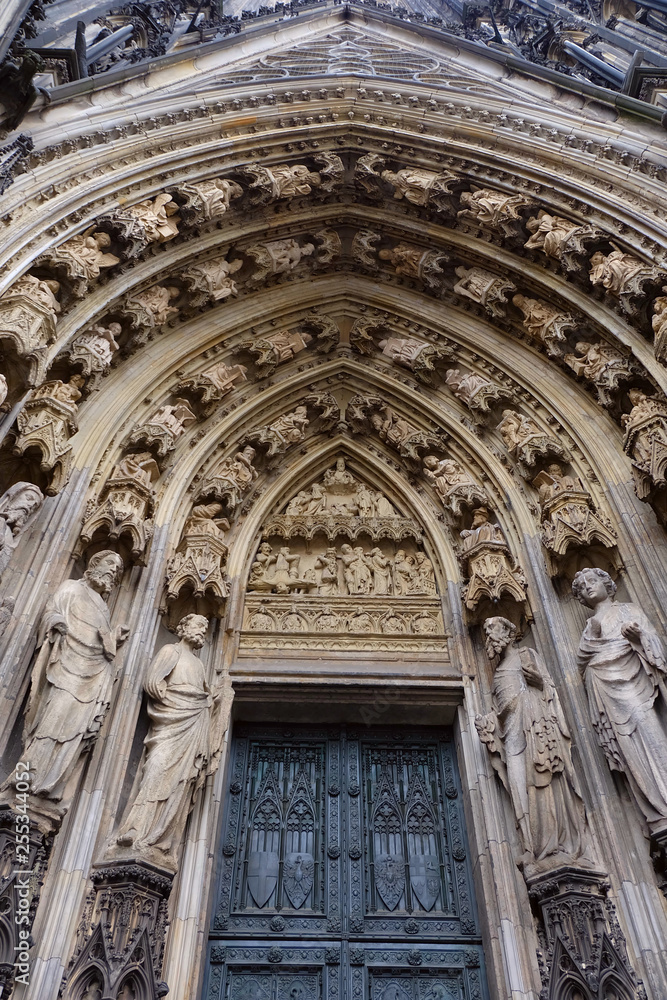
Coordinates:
<point>447,286</point>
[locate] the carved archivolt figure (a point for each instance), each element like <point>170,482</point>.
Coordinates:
<point>420,187</point>
<point>659,325</point>
<point>487,289</point>
<point>211,198</point>
<point>528,738</point>
<point>492,208</point>
<point>545,323</point>
<point>618,272</point>
<point>232,478</point>
<point>210,281</point>
<point>182,747</point>
<point>17,506</point>
<point>83,257</point>
<point>94,349</point>
<point>42,293</point>
<point>159,218</point>
<point>71,683</point>
<point>455,487</point>
<point>151,307</point>
<point>561,239</point>
<point>603,365</point>
<point>288,429</point>
<point>646,440</point>
<point>623,663</point>
<point>525,440</point>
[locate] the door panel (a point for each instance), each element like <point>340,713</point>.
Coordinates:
<point>343,870</point>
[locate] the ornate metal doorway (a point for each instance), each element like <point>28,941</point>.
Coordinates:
<point>343,871</point>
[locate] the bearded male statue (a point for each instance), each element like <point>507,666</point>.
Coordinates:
<point>623,663</point>
<point>527,737</point>
<point>71,685</point>
<point>182,748</point>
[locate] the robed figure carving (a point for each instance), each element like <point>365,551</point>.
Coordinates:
<point>528,739</point>
<point>182,747</point>
<point>71,685</point>
<point>623,663</point>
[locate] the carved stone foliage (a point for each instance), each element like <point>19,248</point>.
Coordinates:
<point>455,487</point>
<point>626,278</point>
<point>124,506</point>
<point>94,349</point>
<point>526,441</point>
<point>324,585</point>
<point>150,309</point>
<point>28,313</point>
<point>72,679</point>
<point>529,743</point>
<point>477,393</point>
<point>569,516</point>
<point>417,185</point>
<point>371,413</point>
<point>546,323</point>
<point>488,564</point>
<point>494,210</point>
<point>562,240</point>
<point>659,325</point>
<point>81,259</point>
<point>18,506</point>
<point>206,200</point>
<point>416,262</point>
<point>488,290</point>
<point>275,349</point>
<point>646,441</point>
<point>211,281</point>
<point>622,659</point>
<point>604,366</point>
<point>121,937</point>
<point>161,431</point>
<point>231,479</point>
<point>268,184</point>
<point>212,384</point>
<point>583,952</point>
<point>198,565</point>
<point>46,423</point>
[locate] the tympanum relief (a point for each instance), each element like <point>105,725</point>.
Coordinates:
<point>345,571</point>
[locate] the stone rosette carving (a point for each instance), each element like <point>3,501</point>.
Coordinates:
<point>125,504</point>
<point>161,431</point>
<point>604,366</point>
<point>198,565</point>
<point>562,240</point>
<point>210,281</point>
<point>230,480</point>
<point>212,384</point>
<point>477,393</point>
<point>18,506</point>
<point>72,678</point>
<point>28,314</point>
<point>275,349</point>
<point>569,516</point>
<point>46,423</point>
<point>80,260</point>
<point>626,278</point>
<point>455,487</point>
<point>526,441</point>
<point>529,742</point>
<point>491,571</point>
<point>411,261</point>
<point>371,413</point>
<point>488,290</point>
<point>645,441</point>
<point>622,660</point>
<point>546,323</point>
<point>93,350</point>
<point>495,210</point>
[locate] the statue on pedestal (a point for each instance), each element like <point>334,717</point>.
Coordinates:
<point>623,663</point>
<point>527,736</point>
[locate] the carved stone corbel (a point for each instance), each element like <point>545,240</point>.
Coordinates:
<point>198,565</point>
<point>122,933</point>
<point>161,431</point>
<point>125,504</point>
<point>28,313</point>
<point>491,571</point>
<point>46,423</point>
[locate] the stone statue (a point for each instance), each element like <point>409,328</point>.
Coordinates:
<point>328,564</point>
<point>158,218</point>
<point>28,315</point>
<point>488,563</point>
<point>475,391</point>
<point>83,258</point>
<point>623,663</point>
<point>545,323</point>
<point>288,429</point>
<point>604,366</point>
<point>455,487</point>
<point>528,739</point>
<point>151,308</point>
<point>416,262</point>
<point>278,256</point>
<point>17,506</point>
<point>72,677</point>
<point>42,293</point>
<point>561,239</point>
<point>211,199</point>
<point>487,289</point>
<point>125,503</point>
<point>46,423</point>
<point>659,326</point>
<point>421,187</point>
<point>95,347</point>
<point>211,281</point>
<point>165,427</point>
<point>4,389</point>
<point>180,746</point>
<point>231,479</point>
<point>525,440</point>
<point>492,208</point>
<point>275,348</point>
<point>616,272</point>
<point>646,441</point>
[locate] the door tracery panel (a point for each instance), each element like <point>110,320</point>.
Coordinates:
<point>343,870</point>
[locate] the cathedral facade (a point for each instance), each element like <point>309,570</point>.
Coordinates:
<point>333,496</point>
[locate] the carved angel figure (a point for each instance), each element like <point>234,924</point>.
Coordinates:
<point>17,506</point>
<point>622,659</point>
<point>182,746</point>
<point>159,218</point>
<point>529,742</point>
